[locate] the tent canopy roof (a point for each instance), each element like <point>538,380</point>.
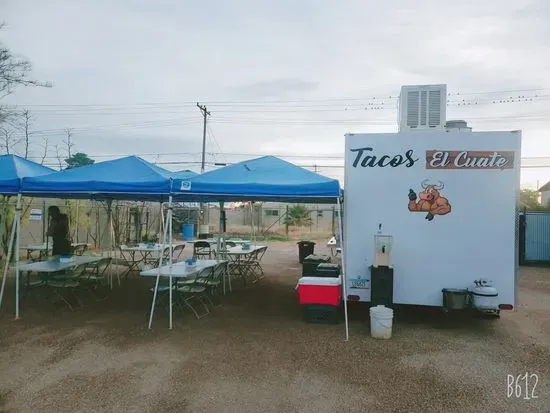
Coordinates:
<point>263,179</point>
<point>13,168</point>
<point>128,178</point>
<point>185,174</point>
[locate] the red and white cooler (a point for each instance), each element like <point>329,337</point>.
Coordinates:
<point>320,290</point>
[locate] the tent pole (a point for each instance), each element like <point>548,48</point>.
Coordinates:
<point>113,240</point>
<point>109,238</point>
<point>77,219</point>
<point>3,217</point>
<point>344,282</point>
<point>219,243</point>
<point>157,280</point>
<point>17,222</point>
<point>161,220</point>
<point>169,223</point>
<point>8,258</point>
<point>251,223</point>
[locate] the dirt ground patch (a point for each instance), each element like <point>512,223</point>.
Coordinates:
<point>255,354</point>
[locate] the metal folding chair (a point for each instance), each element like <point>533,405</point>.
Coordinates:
<point>91,279</point>
<point>67,282</point>
<point>194,291</point>
<point>80,250</point>
<point>178,251</point>
<point>202,250</point>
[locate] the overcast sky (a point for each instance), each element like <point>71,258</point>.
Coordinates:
<point>286,77</point>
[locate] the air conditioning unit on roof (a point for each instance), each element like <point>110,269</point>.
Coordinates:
<point>422,107</point>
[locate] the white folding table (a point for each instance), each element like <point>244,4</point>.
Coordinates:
<point>55,265</point>
<point>240,257</point>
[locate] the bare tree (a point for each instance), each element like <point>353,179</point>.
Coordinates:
<point>68,141</point>
<point>14,71</point>
<point>45,153</point>
<point>27,118</point>
<point>7,140</point>
<point>59,157</point>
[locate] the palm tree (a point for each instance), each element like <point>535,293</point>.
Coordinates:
<point>298,216</point>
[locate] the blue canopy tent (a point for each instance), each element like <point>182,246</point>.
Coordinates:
<point>128,178</point>
<point>185,174</point>
<point>263,179</point>
<point>12,170</point>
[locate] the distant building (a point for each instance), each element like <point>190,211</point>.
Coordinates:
<point>545,194</point>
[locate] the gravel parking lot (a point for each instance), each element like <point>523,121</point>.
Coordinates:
<point>255,354</point>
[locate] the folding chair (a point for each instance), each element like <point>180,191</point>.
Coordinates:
<point>202,250</point>
<point>213,282</point>
<point>256,263</point>
<point>67,282</point>
<point>194,290</point>
<point>131,265</point>
<point>93,276</point>
<point>178,250</point>
<point>80,249</point>
<point>252,267</point>
<point>162,293</point>
<point>165,258</point>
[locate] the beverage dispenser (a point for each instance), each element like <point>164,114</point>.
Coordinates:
<point>381,282</point>
<point>382,249</point>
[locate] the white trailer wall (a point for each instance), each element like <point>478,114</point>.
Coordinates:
<point>476,239</point>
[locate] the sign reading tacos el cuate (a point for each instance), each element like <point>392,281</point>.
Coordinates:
<point>441,159</point>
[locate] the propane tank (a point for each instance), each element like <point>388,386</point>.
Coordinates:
<point>484,296</point>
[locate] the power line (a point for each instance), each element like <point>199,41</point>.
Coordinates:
<point>367,97</point>
<point>364,104</point>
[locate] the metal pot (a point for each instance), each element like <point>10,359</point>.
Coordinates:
<point>455,299</point>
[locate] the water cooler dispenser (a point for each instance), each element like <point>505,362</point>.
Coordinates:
<point>381,282</point>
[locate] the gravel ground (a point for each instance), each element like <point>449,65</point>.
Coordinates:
<point>255,354</point>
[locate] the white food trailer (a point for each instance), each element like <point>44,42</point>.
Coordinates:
<point>447,198</point>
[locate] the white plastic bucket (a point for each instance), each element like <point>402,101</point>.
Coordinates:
<point>381,321</point>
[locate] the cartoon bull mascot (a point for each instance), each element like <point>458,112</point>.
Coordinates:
<point>430,200</point>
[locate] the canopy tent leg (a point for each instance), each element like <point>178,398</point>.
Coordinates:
<point>252,231</point>
<point>17,222</point>
<point>344,282</point>
<point>108,236</point>
<point>219,243</point>
<point>153,302</point>
<point>3,217</point>
<point>169,224</point>
<point>161,219</point>
<point>112,242</point>
<point>109,231</point>
<point>77,220</point>
<point>8,258</point>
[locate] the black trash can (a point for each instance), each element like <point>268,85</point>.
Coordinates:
<point>311,262</point>
<point>305,248</point>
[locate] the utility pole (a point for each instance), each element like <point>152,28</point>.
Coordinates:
<point>205,114</point>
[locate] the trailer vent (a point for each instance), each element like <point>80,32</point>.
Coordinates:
<point>422,107</point>
<point>457,126</point>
